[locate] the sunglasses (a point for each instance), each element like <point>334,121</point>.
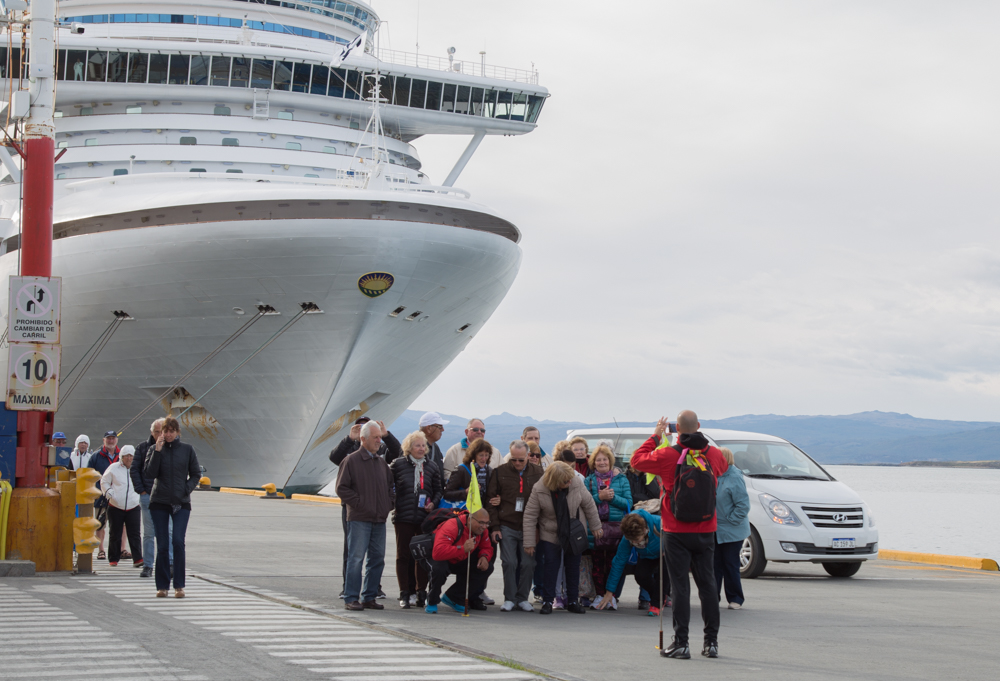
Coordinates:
<point>534,456</point>
<point>478,430</point>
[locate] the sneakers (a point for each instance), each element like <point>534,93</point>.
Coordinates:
<point>113,563</point>
<point>421,600</point>
<point>559,604</point>
<point>586,602</point>
<point>404,600</point>
<point>452,604</point>
<point>653,611</point>
<point>137,563</point>
<point>476,605</point>
<point>546,609</point>
<point>146,571</point>
<point>576,608</point>
<point>381,594</point>
<point>711,649</point>
<point>507,606</point>
<point>413,600</point>
<point>679,651</point>
<point>643,605</point>
<point>735,606</point>
<point>486,599</point>
<point>525,606</point>
<point>539,599</point>
<point>372,605</point>
<point>354,606</point>
<point>431,609</point>
<point>178,593</point>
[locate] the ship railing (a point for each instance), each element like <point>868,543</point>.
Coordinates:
<point>344,180</point>
<point>469,68</point>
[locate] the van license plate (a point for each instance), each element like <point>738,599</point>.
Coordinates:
<point>843,543</point>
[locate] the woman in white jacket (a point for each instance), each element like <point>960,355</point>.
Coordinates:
<point>123,508</point>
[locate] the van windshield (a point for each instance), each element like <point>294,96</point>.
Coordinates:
<point>775,460</point>
<point>624,445</point>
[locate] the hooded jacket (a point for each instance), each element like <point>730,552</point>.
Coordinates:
<point>118,487</point>
<point>407,510</point>
<point>78,460</point>
<point>732,506</point>
<point>448,545</point>
<point>651,551</point>
<point>174,471</point>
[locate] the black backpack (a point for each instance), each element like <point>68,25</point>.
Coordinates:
<point>422,545</point>
<point>692,500</point>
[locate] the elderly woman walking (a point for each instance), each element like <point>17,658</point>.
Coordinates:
<point>418,491</point>
<point>732,505</point>
<point>173,467</point>
<point>123,508</point>
<point>549,529</point>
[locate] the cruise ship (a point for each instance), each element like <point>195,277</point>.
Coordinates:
<point>243,230</point>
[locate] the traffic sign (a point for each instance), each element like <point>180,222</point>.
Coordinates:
<point>34,310</point>
<point>32,381</point>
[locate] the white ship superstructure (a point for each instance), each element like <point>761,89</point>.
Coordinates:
<point>212,165</point>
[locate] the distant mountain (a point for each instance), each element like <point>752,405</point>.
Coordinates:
<point>867,437</point>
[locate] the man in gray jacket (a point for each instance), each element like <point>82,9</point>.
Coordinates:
<point>365,487</point>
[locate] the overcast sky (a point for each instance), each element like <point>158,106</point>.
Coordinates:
<point>738,207</point>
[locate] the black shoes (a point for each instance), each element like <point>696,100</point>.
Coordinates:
<point>477,605</point>
<point>404,600</point>
<point>677,650</point>
<point>711,649</point>
<point>546,609</point>
<point>354,606</point>
<point>146,571</point>
<point>373,605</point>
<point>381,594</point>
<point>643,605</point>
<point>421,599</point>
<point>576,608</point>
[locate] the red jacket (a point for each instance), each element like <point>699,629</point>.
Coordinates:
<point>448,547</point>
<point>663,462</point>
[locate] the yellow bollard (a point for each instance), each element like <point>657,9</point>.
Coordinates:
<point>205,483</point>
<point>33,522</point>
<point>5,494</point>
<point>64,542</point>
<point>85,527</point>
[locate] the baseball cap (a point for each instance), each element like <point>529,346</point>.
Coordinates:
<point>111,433</point>
<point>362,419</point>
<point>58,435</point>
<point>432,418</point>
<point>127,450</point>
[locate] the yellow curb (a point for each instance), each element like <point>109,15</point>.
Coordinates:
<point>940,559</point>
<point>245,492</point>
<point>316,497</point>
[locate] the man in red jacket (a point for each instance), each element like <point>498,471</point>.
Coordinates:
<point>688,545</point>
<point>455,541</point>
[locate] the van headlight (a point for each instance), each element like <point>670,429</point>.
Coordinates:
<point>871,520</point>
<point>778,511</point>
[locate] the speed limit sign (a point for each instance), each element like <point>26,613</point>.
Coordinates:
<point>32,384</point>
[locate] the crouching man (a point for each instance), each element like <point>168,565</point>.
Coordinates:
<point>456,542</point>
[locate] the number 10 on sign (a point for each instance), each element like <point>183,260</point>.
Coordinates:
<point>32,384</point>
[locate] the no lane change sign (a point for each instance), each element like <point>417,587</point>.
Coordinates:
<point>32,381</point>
<point>34,310</point>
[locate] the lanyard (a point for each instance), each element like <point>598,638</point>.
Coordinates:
<point>421,479</point>
<point>520,481</point>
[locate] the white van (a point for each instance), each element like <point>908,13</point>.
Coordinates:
<point>798,511</point>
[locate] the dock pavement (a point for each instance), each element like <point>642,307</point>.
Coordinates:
<point>263,579</point>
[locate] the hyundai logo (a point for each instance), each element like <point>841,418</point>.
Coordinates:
<point>840,517</point>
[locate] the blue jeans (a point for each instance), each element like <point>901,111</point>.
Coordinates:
<point>165,540</point>
<point>365,544</point>
<point>149,534</point>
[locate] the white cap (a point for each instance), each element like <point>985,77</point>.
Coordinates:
<point>432,418</point>
<point>127,450</point>
<point>82,438</point>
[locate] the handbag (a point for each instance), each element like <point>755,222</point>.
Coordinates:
<point>612,534</point>
<point>587,588</point>
<point>577,537</point>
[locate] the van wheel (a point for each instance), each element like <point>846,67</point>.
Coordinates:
<point>752,560</point>
<point>842,569</point>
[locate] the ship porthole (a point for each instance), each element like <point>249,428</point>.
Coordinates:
<point>239,310</point>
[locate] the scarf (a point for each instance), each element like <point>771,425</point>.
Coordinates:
<point>481,478</point>
<point>418,472</point>
<point>602,508</point>
<point>582,466</point>
<point>560,499</point>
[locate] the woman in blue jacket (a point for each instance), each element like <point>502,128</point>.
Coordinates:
<point>640,545</point>
<point>732,505</point>
<point>613,495</point>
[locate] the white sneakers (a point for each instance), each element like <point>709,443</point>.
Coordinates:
<point>735,606</point>
<point>507,606</point>
<point>487,600</point>
<point>525,606</point>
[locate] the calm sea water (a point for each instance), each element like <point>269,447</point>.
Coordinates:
<point>932,510</point>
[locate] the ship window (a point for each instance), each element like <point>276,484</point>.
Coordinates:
<point>434,96</point>
<point>534,107</point>
<point>330,150</point>
<point>57,114</point>
<point>138,65</point>
<point>120,171</point>
<point>490,103</point>
<point>338,80</point>
<point>179,69</point>
<point>87,111</point>
<point>159,68</point>
<point>61,176</point>
<point>355,125</point>
<point>286,115</point>
<point>300,81</point>
<point>230,142</point>
<point>199,70</point>
<point>60,64</point>
<point>520,107</point>
<point>462,100</point>
<point>133,109</point>
<point>96,61</point>
<point>234,170</point>
<point>353,90</point>
<point>189,140</point>
<point>62,145</point>
<point>117,67</point>
<point>222,111</point>
<point>263,69</point>
<point>401,96</point>
<point>418,91</point>
<point>75,61</point>
<point>283,75</point>
<point>504,102</point>
<point>92,142</point>
<point>241,72</point>
<point>448,103</point>
<point>293,146</point>
<point>311,175</point>
<point>197,170</point>
<point>477,102</point>
<point>320,75</point>
<point>220,71</point>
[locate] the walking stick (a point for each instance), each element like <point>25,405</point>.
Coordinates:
<point>468,569</point>
<point>662,568</point>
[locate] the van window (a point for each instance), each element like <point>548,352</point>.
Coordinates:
<point>774,460</point>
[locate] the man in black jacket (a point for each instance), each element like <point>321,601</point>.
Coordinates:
<point>389,450</point>
<point>144,486</point>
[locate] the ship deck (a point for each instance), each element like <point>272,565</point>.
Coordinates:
<point>262,586</point>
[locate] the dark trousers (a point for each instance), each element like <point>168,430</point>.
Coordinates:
<point>647,576</point>
<point>539,576</point>
<point>695,552</point>
<point>440,569</point>
<point>553,556</point>
<point>343,525</point>
<point>727,566</point>
<point>132,521</point>
<point>411,574</point>
<point>161,521</point>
